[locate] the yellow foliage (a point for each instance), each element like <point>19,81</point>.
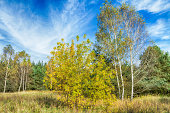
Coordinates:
<point>77,72</point>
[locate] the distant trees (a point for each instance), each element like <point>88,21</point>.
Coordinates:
<point>74,70</point>
<point>16,71</point>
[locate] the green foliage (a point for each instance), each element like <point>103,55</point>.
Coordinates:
<point>75,72</point>
<point>156,75</point>
<point>37,76</point>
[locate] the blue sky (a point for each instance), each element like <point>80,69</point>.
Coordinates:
<point>37,25</point>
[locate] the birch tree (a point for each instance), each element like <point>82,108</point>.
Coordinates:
<point>24,69</point>
<point>135,33</point>
<point>109,37</point>
<point>122,35</point>
<point>8,51</point>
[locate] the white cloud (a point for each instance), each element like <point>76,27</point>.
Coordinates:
<point>164,45</point>
<point>166,37</point>
<point>39,38</point>
<point>93,2</point>
<point>154,6</point>
<point>159,30</point>
<point>1,37</point>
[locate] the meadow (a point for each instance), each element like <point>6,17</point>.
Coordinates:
<point>50,102</point>
<point>115,67</point>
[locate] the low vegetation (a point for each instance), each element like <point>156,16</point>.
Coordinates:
<point>48,101</point>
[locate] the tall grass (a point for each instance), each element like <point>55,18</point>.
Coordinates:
<point>49,102</point>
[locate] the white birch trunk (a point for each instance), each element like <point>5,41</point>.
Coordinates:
<point>121,78</point>
<point>131,65</point>
<point>51,80</point>
<point>20,81</point>
<point>26,78</point>
<point>6,75</point>
<point>117,79</point>
<point>120,70</point>
<point>23,79</point>
<point>5,82</point>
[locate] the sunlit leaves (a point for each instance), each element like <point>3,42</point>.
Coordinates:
<point>74,70</point>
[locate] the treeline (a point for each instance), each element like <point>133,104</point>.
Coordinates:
<point>122,62</point>
<point>17,73</point>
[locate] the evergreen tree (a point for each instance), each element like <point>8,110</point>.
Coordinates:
<point>155,78</point>
<point>37,76</point>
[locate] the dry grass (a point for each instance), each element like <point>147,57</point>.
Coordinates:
<point>145,104</point>
<point>49,102</point>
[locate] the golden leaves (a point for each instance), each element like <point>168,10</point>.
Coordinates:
<point>73,68</point>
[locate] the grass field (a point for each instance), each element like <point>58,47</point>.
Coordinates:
<point>49,102</point>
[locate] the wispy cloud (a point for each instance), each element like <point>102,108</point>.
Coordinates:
<point>37,36</point>
<point>166,37</point>
<point>164,45</point>
<point>1,37</point>
<point>154,6</point>
<point>93,1</point>
<point>159,29</point>
<point>73,20</point>
<point>159,32</point>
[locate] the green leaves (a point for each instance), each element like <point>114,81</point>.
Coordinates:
<point>84,36</point>
<point>77,37</point>
<point>155,64</point>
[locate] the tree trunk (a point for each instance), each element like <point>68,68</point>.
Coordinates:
<point>25,82</point>
<point>51,80</point>
<point>131,65</point>
<point>23,79</point>
<point>26,78</point>
<point>20,81</point>
<point>6,75</point>
<point>117,79</point>
<point>51,85</point>
<point>120,68</point>
<point>121,78</point>
<point>5,83</point>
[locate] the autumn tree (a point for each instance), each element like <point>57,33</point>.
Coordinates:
<point>8,51</point>
<point>13,79</point>
<point>24,69</point>
<point>73,70</point>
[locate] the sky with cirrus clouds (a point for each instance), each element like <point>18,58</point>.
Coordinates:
<point>36,25</point>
